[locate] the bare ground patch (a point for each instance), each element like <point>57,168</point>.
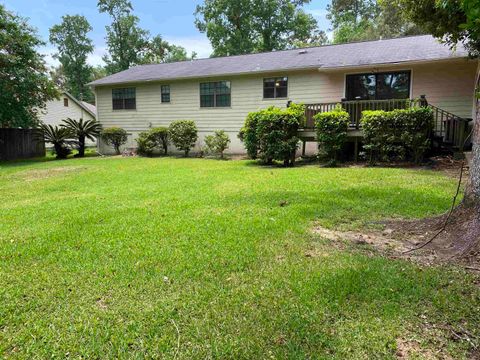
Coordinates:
<point>398,238</point>
<point>39,174</point>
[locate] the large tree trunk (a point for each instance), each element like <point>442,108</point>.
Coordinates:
<point>473,191</point>
<point>475,165</point>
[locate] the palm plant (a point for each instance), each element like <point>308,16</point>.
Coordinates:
<point>58,137</point>
<point>82,130</point>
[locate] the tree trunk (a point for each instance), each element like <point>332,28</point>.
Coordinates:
<point>472,194</point>
<point>81,146</point>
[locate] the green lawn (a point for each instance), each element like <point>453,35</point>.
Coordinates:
<point>192,258</point>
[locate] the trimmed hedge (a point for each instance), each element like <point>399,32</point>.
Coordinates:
<point>331,128</point>
<point>271,134</point>
<point>398,134</point>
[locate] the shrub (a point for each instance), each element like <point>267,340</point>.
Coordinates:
<point>331,128</point>
<point>217,143</point>
<point>248,134</point>
<point>160,136</point>
<point>152,139</point>
<point>115,137</point>
<point>418,130</point>
<point>272,133</point>
<point>145,144</point>
<point>183,134</point>
<point>58,137</point>
<point>398,134</point>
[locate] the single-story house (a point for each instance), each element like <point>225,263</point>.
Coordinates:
<point>67,106</point>
<point>218,93</point>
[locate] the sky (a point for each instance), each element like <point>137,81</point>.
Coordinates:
<point>172,19</point>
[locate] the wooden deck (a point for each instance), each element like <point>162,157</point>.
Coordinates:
<point>450,130</point>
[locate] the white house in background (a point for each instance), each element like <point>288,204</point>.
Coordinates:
<point>67,106</point>
<point>218,93</point>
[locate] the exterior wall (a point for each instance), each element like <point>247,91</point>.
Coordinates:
<point>448,85</point>
<point>55,112</point>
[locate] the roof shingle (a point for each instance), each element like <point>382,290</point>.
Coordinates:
<point>406,49</point>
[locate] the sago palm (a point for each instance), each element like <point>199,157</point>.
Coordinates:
<point>82,130</point>
<point>58,137</point>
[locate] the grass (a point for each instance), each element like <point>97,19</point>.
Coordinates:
<point>188,258</point>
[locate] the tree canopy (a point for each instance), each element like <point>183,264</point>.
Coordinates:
<point>74,46</point>
<point>24,83</point>
<point>355,20</point>
<point>246,26</point>
<point>128,44</point>
<point>453,21</point>
<point>126,41</point>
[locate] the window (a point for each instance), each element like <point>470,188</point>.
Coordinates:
<point>165,93</point>
<point>65,102</point>
<point>380,86</point>
<point>274,88</point>
<point>124,99</point>
<point>215,94</point>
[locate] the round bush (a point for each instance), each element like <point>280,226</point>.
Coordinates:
<point>184,135</point>
<point>217,143</point>
<point>115,137</point>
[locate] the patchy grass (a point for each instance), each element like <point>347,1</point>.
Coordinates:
<point>185,258</point>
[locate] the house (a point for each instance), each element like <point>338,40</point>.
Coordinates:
<point>67,106</point>
<point>218,93</point>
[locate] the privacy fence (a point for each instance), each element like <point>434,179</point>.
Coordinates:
<point>20,144</point>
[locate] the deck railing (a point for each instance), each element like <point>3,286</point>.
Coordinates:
<point>356,107</point>
<point>449,128</point>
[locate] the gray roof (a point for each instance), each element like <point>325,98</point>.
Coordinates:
<point>92,108</point>
<point>406,49</point>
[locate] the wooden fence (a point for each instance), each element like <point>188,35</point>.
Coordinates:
<point>20,144</point>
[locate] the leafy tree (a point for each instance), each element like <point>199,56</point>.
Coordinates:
<point>58,137</point>
<point>98,72</point>
<point>245,26</point>
<point>115,137</point>
<point>57,75</point>
<point>354,20</point>
<point>454,21</point>
<point>126,41</point>
<point>74,46</point>
<point>161,51</point>
<point>129,44</point>
<point>24,84</point>
<point>184,135</point>
<point>82,130</point>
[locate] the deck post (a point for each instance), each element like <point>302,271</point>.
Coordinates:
<point>462,137</point>
<point>356,149</point>
<point>423,101</point>
<point>304,147</point>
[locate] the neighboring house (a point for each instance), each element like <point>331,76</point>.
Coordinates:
<point>65,107</point>
<point>218,93</point>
